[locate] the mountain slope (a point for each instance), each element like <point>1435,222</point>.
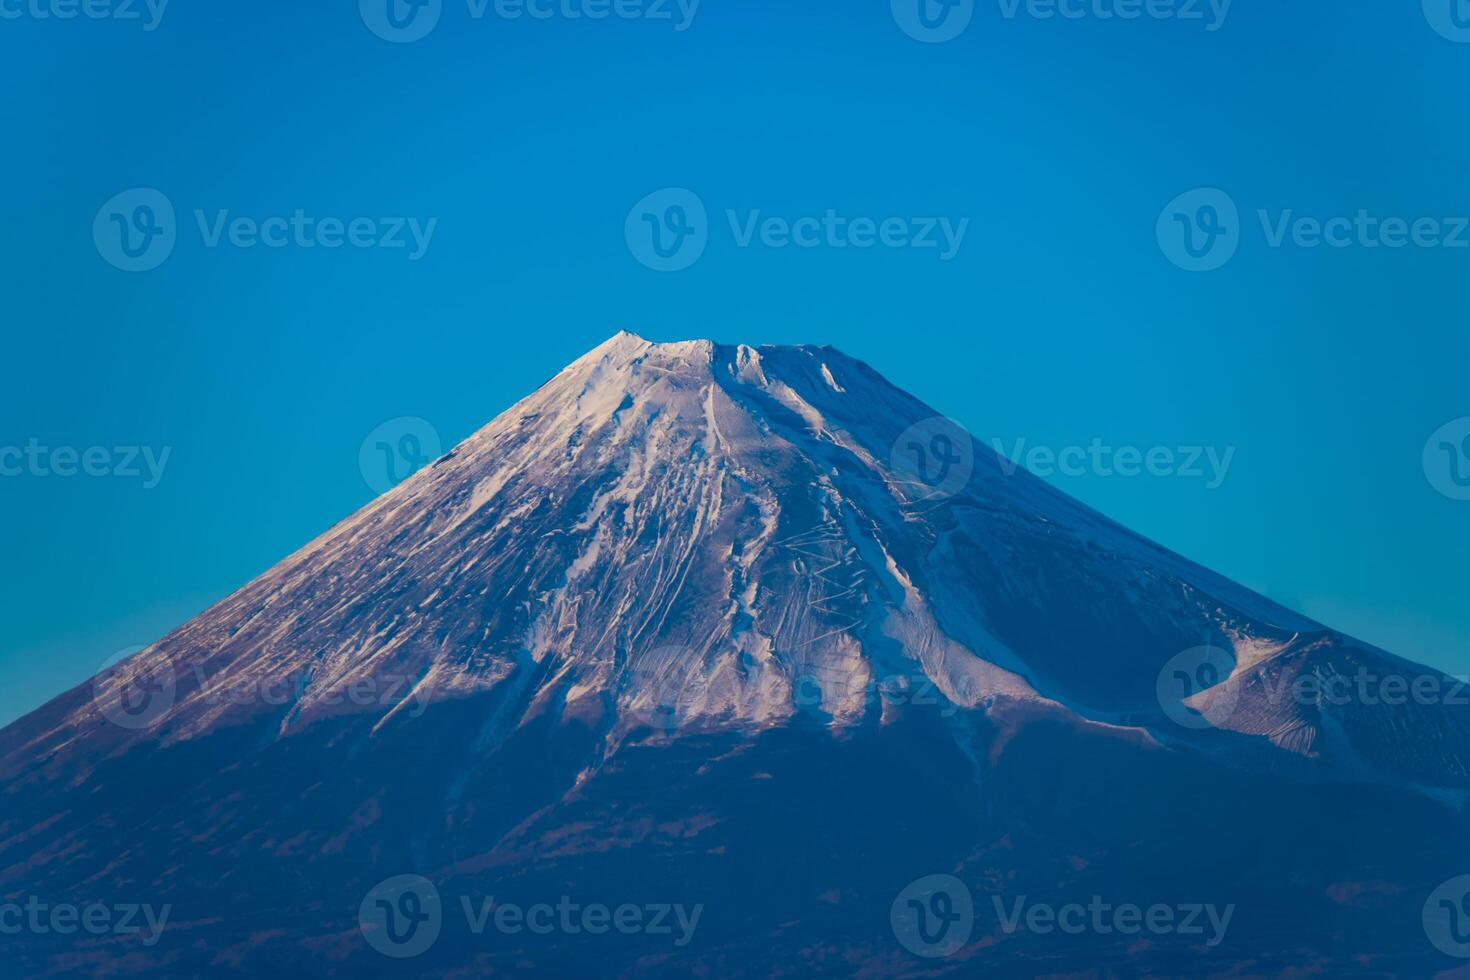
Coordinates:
<point>567,654</point>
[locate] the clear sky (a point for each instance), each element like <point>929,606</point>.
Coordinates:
<point>521,146</point>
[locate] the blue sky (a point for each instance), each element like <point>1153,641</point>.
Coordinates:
<point>520,146</point>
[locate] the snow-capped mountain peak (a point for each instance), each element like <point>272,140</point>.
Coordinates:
<point>693,536</point>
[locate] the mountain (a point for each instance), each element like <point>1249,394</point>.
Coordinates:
<point>754,638</point>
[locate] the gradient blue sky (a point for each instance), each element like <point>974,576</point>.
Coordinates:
<point>1060,320</point>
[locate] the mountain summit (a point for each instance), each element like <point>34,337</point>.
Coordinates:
<point>748,627</point>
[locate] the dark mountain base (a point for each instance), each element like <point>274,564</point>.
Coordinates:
<point>794,843</point>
